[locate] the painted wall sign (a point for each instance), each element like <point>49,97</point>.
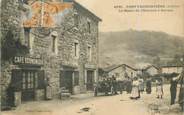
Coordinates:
<point>27,60</point>
<point>90,66</point>
<point>43,13</point>
<point>72,64</point>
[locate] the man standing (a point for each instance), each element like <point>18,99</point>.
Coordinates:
<point>114,84</point>
<point>48,89</point>
<point>129,85</point>
<point>181,93</point>
<point>173,89</point>
<point>148,86</point>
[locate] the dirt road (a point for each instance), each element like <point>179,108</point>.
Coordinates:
<point>148,104</point>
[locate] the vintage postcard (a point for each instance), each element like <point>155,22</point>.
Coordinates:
<point>92,57</point>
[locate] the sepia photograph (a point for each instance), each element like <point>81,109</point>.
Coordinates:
<point>92,57</point>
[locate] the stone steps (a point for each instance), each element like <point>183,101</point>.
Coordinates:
<point>65,94</point>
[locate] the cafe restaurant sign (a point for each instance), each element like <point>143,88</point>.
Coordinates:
<point>27,60</point>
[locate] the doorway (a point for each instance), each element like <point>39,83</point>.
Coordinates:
<point>90,79</point>
<point>66,80</point>
<point>28,85</point>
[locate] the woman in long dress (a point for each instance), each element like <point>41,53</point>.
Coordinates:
<point>135,89</point>
<point>159,89</point>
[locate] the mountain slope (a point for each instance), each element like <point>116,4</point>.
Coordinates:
<point>134,47</point>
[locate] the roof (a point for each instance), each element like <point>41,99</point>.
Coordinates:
<point>77,5</point>
<point>177,64</point>
<point>110,68</point>
<point>171,66</point>
<point>130,67</point>
<point>148,67</point>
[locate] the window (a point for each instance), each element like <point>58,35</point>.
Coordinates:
<point>76,49</point>
<point>76,20</point>
<point>131,74</point>
<point>36,79</point>
<point>89,27</point>
<point>89,53</point>
<point>54,42</point>
<point>23,80</point>
<point>117,74</point>
<point>31,43</point>
<point>28,79</point>
<point>29,38</point>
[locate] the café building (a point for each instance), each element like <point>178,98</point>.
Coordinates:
<point>59,56</point>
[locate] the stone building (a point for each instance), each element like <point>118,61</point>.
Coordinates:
<point>121,71</point>
<point>152,70</point>
<point>169,69</point>
<point>62,52</point>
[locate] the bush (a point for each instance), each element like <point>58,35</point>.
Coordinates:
<point>11,47</point>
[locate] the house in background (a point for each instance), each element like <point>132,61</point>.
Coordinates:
<point>120,71</point>
<point>169,69</point>
<point>151,70</point>
<point>129,71</point>
<point>109,71</point>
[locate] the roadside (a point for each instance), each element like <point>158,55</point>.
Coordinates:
<point>51,105</point>
<point>162,106</point>
<point>87,104</point>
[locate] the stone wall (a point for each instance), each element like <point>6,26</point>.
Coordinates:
<point>84,38</point>
<point>51,62</point>
<point>10,14</point>
<point>9,21</point>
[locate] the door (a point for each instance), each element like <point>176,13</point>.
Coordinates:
<point>67,80</point>
<point>28,85</point>
<point>27,81</point>
<point>90,80</point>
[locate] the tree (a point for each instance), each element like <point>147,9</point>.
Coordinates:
<point>11,47</point>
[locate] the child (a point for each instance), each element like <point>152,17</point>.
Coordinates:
<point>159,89</point>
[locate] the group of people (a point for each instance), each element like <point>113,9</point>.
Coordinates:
<point>133,86</point>
<point>110,84</point>
<point>136,86</point>
<point>173,89</point>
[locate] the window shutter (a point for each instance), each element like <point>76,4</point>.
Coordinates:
<point>62,82</point>
<point>76,78</point>
<point>41,79</point>
<point>16,81</point>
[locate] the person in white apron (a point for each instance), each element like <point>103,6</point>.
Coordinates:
<point>135,89</point>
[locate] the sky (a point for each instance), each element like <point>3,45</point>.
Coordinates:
<point>113,20</point>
